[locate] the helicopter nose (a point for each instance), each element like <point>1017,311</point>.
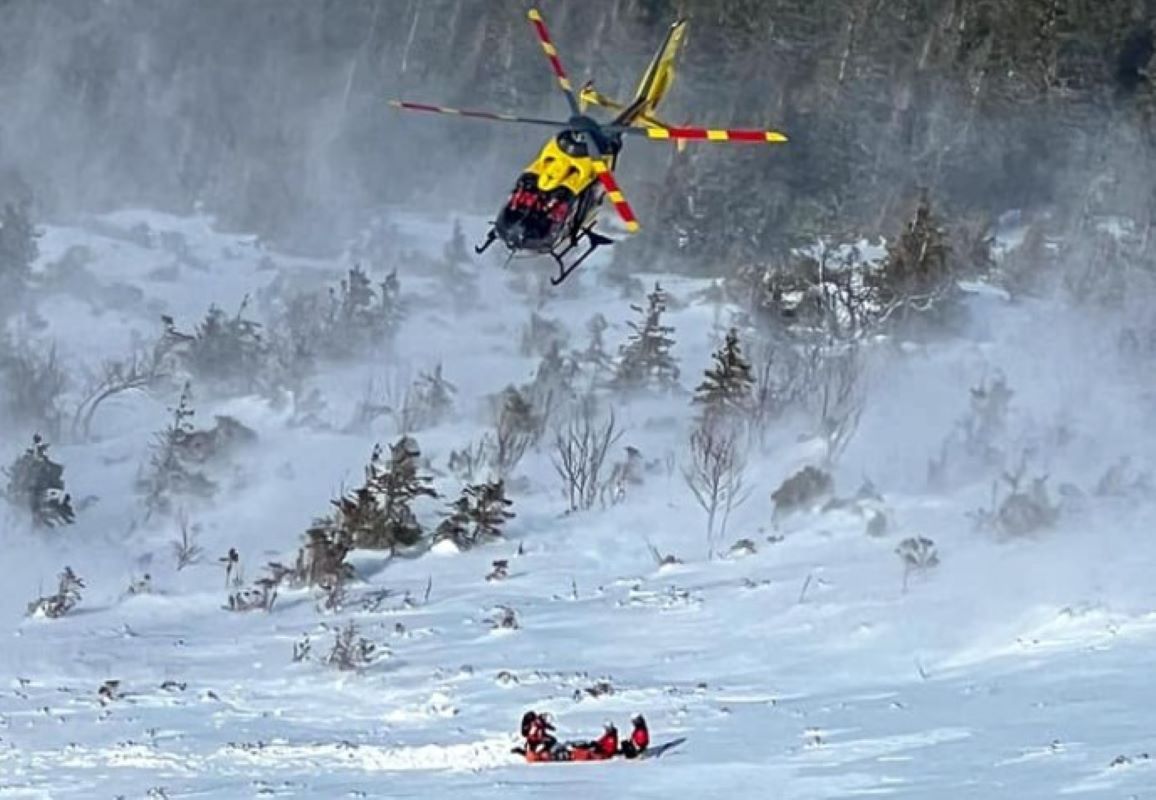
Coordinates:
<point>516,234</point>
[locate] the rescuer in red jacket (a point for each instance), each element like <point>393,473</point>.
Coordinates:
<point>639,738</point>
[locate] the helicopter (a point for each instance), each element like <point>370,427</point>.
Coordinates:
<point>554,206</point>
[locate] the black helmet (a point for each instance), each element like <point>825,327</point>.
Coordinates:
<point>528,720</point>
<point>638,720</point>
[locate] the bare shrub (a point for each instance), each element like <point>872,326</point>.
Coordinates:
<point>516,427</point>
<point>715,473</point>
<point>371,407</point>
<point>978,439</point>
<point>624,474</point>
<point>918,555</point>
<point>472,462</point>
<point>838,397</point>
<point>778,385</point>
<point>660,559</point>
<point>66,598</point>
<point>33,383</point>
<point>141,370</point>
<point>580,451</point>
<point>351,651</point>
<point>428,401</point>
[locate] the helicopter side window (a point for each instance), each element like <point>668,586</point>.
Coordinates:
<point>571,145</point>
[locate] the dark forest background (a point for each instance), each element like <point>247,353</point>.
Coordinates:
<point>272,113</point>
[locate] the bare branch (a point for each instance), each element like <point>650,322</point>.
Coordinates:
<point>580,453</point>
<point>715,473</point>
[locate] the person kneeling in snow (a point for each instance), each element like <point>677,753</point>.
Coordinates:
<point>536,730</point>
<point>607,744</point>
<point>639,739</point>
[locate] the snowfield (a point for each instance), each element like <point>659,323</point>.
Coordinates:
<point>1017,668</point>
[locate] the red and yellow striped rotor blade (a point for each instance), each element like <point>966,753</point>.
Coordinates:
<point>555,62</point>
<point>490,115</point>
<point>709,134</point>
<point>610,183</point>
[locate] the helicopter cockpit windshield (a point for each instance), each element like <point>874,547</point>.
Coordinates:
<point>572,145</point>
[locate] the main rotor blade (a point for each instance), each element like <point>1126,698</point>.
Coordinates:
<point>490,115</point>
<point>555,62</point>
<point>703,134</point>
<point>610,183</point>
<point>606,177</point>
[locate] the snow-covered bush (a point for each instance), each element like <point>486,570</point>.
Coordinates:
<point>806,489</point>
<point>1024,510</point>
<point>36,487</point>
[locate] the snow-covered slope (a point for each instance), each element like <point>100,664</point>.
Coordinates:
<point>804,670</point>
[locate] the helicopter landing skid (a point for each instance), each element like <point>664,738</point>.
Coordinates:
<point>491,237</point>
<point>596,240</point>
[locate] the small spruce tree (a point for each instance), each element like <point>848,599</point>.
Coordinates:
<point>645,359</point>
<point>917,268</point>
<point>168,474</point>
<point>379,515</point>
<point>729,385</point>
<point>36,486</point>
<point>230,353</point>
<point>477,516</point>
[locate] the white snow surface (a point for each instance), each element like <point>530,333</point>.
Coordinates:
<point>1016,669</point>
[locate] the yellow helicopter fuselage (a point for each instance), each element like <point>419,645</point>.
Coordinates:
<point>554,168</point>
